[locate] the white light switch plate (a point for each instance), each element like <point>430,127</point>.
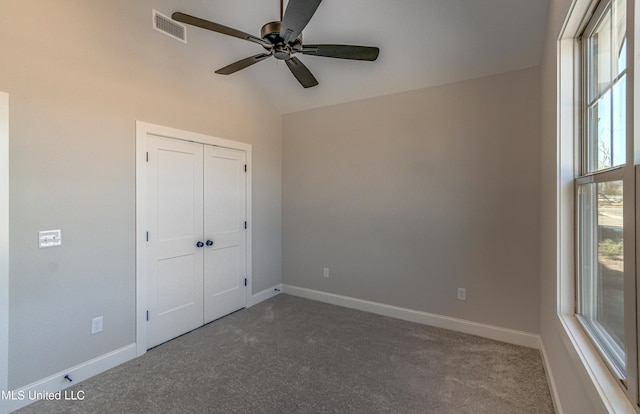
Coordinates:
<point>49,238</point>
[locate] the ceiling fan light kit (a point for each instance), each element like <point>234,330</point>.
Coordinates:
<point>283,40</point>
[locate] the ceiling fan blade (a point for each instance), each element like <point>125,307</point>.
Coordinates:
<point>241,64</point>
<point>296,17</point>
<point>300,71</point>
<point>215,27</point>
<point>342,51</point>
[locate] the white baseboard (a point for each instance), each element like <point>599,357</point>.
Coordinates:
<point>264,295</point>
<point>555,396</point>
<point>57,383</point>
<point>454,324</point>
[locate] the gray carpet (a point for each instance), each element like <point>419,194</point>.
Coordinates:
<point>292,355</point>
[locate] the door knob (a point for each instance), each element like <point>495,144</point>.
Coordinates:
<point>209,243</point>
<point>199,244</point>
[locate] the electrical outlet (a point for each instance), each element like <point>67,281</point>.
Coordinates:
<point>462,294</point>
<point>96,325</point>
<point>325,272</point>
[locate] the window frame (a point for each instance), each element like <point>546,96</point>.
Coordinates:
<point>627,173</point>
<point>605,392</point>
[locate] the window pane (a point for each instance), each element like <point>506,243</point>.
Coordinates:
<point>619,36</point>
<point>601,259</point>
<point>619,119</point>
<point>600,53</point>
<point>600,134</point>
<point>587,255</point>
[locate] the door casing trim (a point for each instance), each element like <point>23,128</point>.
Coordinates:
<point>144,129</point>
<point>4,241</point>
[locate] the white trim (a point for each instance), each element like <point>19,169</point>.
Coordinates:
<point>264,295</point>
<point>565,175</point>
<point>249,191</point>
<point>454,324</point>
<point>78,373</point>
<point>141,197</point>
<point>142,130</point>
<point>4,241</point>
<point>595,372</point>
<point>555,395</point>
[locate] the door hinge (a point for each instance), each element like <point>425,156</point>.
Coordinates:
<point>245,168</point>
<point>147,315</point>
<point>245,224</point>
<point>147,156</point>
<point>245,281</point>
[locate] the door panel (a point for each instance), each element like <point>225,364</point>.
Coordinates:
<point>174,290</point>
<point>224,275</point>
<point>223,179</point>
<point>175,283</point>
<point>224,217</point>
<point>177,195</point>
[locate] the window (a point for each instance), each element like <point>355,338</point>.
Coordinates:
<point>597,160</point>
<point>604,185</point>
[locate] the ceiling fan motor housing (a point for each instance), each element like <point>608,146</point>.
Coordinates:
<point>271,33</point>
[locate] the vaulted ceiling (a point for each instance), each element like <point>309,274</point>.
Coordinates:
<point>422,43</point>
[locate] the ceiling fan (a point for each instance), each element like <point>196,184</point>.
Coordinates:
<point>283,40</point>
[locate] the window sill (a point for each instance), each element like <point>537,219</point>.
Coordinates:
<point>597,373</point>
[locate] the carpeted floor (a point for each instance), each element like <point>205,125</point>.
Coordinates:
<point>292,355</point>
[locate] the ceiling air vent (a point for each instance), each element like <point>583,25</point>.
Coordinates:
<point>169,27</point>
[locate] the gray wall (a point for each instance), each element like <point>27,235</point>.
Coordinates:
<point>79,75</point>
<point>576,395</point>
<point>409,196</point>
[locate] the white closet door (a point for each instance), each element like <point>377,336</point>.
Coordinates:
<point>175,285</point>
<point>225,260</point>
